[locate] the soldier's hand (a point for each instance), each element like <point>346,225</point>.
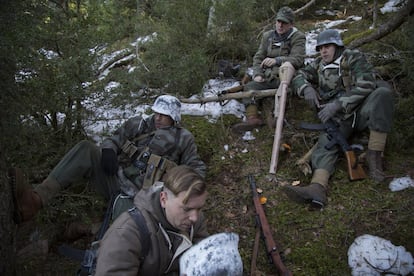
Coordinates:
<point>311,97</point>
<point>109,161</point>
<point>258,78</point>
<point>270,62</point>
<point>328,111</point>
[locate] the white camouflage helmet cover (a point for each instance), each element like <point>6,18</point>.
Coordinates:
<point>168,105</point>
<point>215,255</point>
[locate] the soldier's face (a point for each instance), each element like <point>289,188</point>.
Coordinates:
<point>182,216</point>
<point>162,120</point>
<point>282,27</point>
<point>327,52</point>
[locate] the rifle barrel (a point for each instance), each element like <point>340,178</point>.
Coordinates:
<point>271,247</point>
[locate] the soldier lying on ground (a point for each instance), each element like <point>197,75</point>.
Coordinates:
<point>137,154</point>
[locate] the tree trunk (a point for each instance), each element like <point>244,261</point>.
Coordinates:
<point>7,226</point>
<point>7,101</point>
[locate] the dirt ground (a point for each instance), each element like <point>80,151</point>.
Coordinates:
<point>311,242</point>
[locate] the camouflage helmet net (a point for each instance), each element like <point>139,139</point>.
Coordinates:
<point>168,105</point>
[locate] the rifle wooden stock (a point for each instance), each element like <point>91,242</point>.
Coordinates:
<point>271,247</point>
<point>355,170</point>
<point>246,78</point>
<point>286,72</point>
<point>233,89</point>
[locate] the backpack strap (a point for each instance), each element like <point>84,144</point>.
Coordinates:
<point>88,257</point>
<point>139,219</point>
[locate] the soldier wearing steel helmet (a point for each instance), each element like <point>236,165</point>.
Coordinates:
<point>341,85</point>
<point>136,155</point>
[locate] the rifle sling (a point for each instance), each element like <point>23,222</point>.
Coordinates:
<point>139,220</point>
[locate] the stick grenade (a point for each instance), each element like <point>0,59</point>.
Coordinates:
<point>286,72</point>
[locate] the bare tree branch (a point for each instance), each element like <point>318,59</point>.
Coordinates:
<point>305,7</point>
<point>396,21</point>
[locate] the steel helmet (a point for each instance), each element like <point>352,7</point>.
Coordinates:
<point>215,255</point>
<point>168,105</point>
<point>329,37</point>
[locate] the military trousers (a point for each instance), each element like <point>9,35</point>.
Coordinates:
<point>254,85</point>
<point>83,163</point>
<point>375,113</point>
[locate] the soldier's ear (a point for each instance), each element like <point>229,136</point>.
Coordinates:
<point>163,198</point>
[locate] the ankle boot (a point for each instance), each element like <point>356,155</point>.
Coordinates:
<point>251,123</point>
<point>27,202</point>
<point>77,230</point>
<point>313,194</point>
<point>374,160</point>
<point>253,120</point>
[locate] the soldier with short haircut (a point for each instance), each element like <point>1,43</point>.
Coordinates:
<point>150,238</point>
<point>135,156</point>
<point>342,86</point>
<point>285,43</point>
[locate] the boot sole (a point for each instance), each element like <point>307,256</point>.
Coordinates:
<point>298,198</point>
<point>243,128</point>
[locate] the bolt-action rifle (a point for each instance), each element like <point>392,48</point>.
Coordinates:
<point>233,89</point>
<point>355,170</point>
<point>228,96</point>
<point>246,78</point>
<point>262,222</point>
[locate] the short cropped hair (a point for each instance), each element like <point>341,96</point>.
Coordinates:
<point>184,179</point>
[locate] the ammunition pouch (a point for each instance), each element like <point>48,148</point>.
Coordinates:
<point>148,164</point>
<point>156,167</point>
<point>136,171</point>
<point>147,168</point>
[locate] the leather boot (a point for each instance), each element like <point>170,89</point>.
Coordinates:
<point>27,202</point>
<point>313,194</point>
<point>77,230</point>
<point>374,160</point>
<point>253,120</point>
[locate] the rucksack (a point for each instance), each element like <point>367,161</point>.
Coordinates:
<point>88,257</point>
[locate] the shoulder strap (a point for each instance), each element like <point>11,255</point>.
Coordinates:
<point>143,136</point>
<point>129,147</point>
<point>139,219</point>
<point>177,140</point>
